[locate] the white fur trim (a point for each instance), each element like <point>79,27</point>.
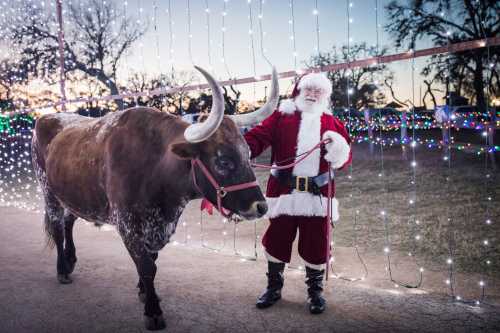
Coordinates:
<point>271,258</point>
<point>287,106</point>
<point>338,150</point>
<point>319,267</point>
<point>301,204</point>
<point>309,135</point>
<point>316,80</point>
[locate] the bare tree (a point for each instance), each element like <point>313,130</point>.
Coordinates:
<point>430,91</point>
<point>179,101</point>
<point>359,83</point>
<point>10,75</point>
<point>97,36</point>
<point>452,21</point>
<point>231,102</point>
<point>389,83</point>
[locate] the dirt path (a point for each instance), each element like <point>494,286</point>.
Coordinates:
<point>204,291</point>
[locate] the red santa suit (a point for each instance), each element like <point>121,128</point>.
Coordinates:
<point>291,131</point>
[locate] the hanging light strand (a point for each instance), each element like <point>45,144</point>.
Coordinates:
<point>157,37</point>
<point>190,34</point>
<point>262,33</point>
<point>316,14</point>
<point>412,196</point>
<point>223,44</point>
<point>355,212</point>
<point>252,46</point>
<point>171,41</point>
<point>209,40</point>
<point>291,22</point>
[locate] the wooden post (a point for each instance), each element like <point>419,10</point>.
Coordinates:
<point>404,127</point>
<point>442,116</point>
<point>370,129</point>
<point>491,136</point>
<point>445,128</point>
<point>404,133</point>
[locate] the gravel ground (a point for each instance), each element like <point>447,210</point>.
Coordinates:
<point>205,291</point>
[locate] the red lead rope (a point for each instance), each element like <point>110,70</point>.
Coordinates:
<point>328,220</point>
<point>281,167</point>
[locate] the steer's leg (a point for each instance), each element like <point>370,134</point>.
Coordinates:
<point>146,268</point>
<point>140,285</point>
<point>54,227</point>
<point>69,246</point>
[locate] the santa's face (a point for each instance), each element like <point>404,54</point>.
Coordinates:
<point>312,100</point>
<point>312,95</point>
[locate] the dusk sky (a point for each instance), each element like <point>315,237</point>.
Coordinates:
<point>277,41</point>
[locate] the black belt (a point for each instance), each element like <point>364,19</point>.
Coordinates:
<point>301,183</point>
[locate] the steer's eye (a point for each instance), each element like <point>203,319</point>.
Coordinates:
<point>224,164</point>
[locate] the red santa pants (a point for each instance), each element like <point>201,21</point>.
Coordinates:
<point>313,238</point>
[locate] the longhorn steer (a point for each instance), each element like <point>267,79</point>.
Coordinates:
<point>134,169</point>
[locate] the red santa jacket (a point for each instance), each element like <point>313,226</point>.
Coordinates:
<point>290,132</point>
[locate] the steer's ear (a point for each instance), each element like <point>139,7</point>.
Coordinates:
<point>185,150</point>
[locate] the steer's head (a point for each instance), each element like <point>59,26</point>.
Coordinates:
<point>219,145</point>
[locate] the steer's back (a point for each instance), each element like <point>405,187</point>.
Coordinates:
<point>69,159</point>
<point>89,162</point>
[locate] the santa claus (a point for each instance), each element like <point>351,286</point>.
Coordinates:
<point>298,197</point>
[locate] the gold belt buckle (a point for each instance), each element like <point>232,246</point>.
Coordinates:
<point>297,184</point>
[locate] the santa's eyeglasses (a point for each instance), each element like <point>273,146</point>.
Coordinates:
<point>313,92</point>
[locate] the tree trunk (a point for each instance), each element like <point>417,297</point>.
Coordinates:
<point>429,91</point>
<point>104,79</point>
<point>479,84</point>
<point>113,89</point>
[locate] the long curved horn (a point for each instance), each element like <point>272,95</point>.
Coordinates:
<point>266,110</point>
<point>201,131</point>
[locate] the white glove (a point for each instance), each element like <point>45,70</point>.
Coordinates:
<point>337,151</point>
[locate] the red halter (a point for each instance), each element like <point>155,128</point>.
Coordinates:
<point>220,190</point>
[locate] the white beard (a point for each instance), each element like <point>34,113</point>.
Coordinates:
<point>319,106</point>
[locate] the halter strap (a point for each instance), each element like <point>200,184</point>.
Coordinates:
<point>220,190</point>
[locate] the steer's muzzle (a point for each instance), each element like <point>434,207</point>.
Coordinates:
<point>257,210</point>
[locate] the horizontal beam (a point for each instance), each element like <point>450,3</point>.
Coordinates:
<point>367,62</point>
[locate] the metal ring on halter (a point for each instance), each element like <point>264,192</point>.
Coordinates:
<point>221,192</point>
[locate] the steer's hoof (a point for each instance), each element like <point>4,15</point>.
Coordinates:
<point>70,265</point>
<point>155,322</point>
<point>64,279</point>
<point>142,297</point>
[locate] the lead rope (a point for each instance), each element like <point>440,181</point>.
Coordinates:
<point>287,166</point>
<point>329,222</point>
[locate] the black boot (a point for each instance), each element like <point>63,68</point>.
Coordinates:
<point>314,282</point>
<point>274,285</point>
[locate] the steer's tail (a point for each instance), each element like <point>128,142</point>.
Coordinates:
<point>49,232</point>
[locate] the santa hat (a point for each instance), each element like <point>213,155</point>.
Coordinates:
<point>316,80</point>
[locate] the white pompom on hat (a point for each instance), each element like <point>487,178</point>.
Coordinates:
<point>313,80</point>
